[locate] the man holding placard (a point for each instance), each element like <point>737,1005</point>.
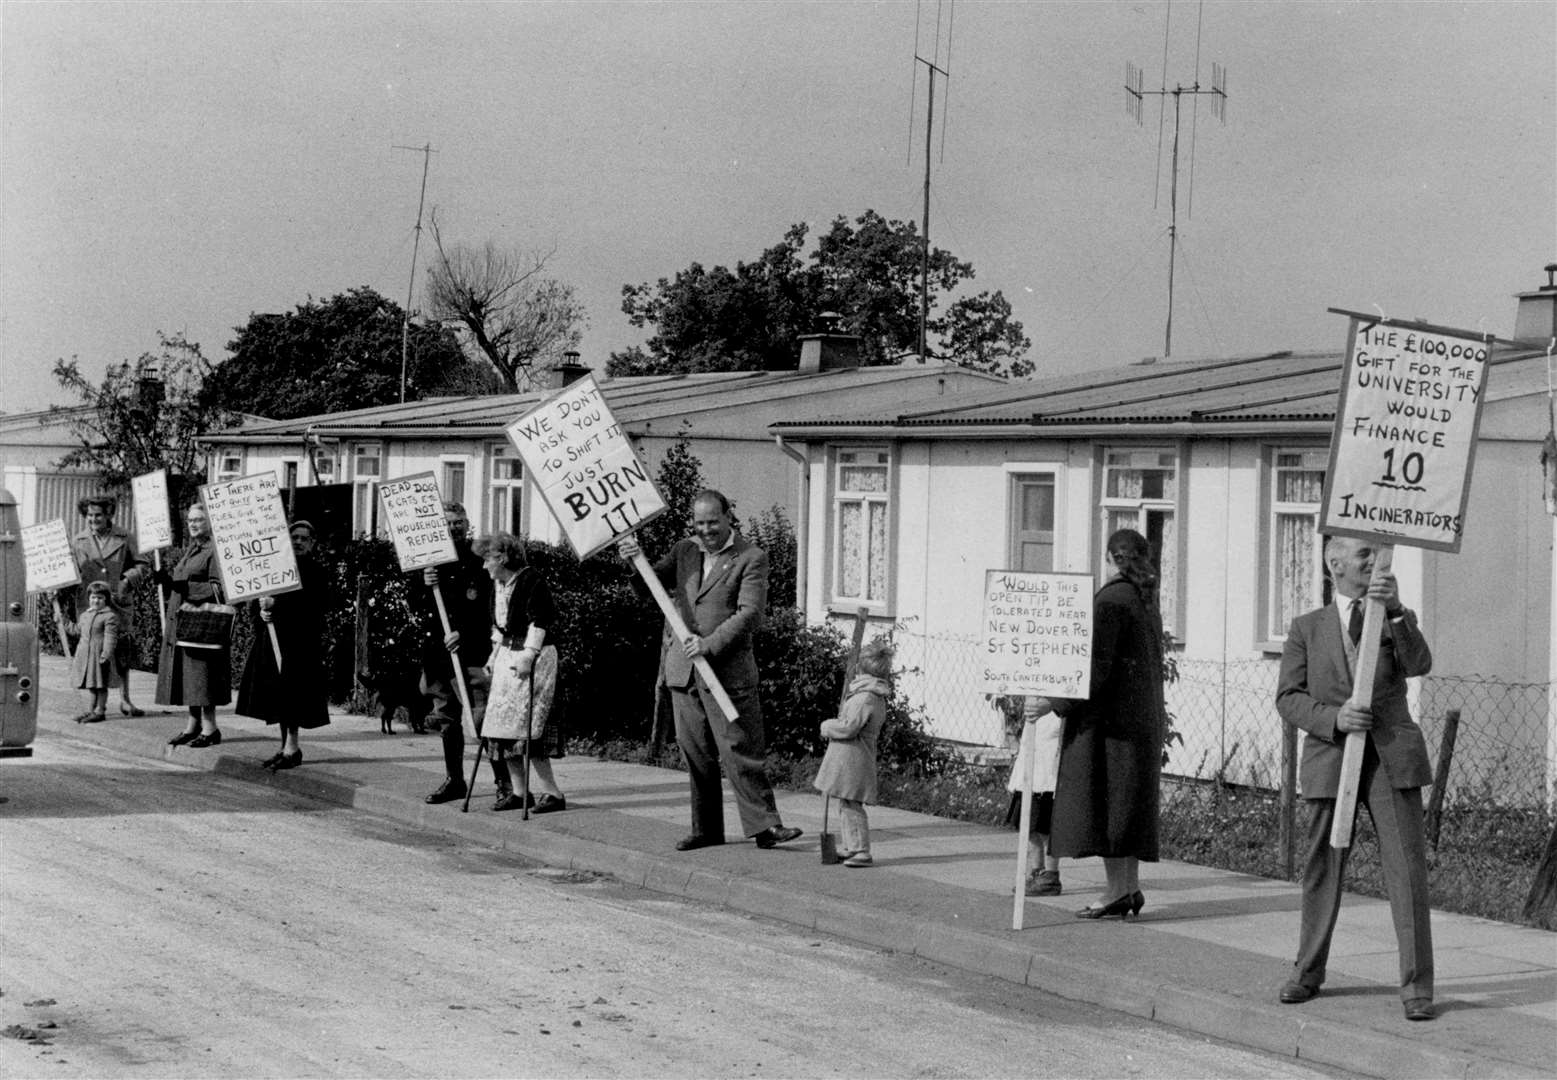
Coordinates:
<point>1314,693</point>
<point>719,582</point>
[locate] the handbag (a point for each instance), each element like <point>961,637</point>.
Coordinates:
<point>205,626</point>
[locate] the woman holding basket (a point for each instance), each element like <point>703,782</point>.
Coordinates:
<point>523,669</point>
<point>196,665</point>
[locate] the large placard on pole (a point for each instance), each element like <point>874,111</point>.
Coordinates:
<point>253,542</point>
<point>413,514</point>
<point>1405,434</point>
<point>46,554</point>
<point>1037,635</point>
<point>585,468</point>
<point>153,518</point>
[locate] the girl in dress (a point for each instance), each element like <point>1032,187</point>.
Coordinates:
<point>848,771</point>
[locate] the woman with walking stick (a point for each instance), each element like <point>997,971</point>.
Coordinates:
<point>523,670</point>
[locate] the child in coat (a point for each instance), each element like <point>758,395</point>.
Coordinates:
<point>1042,727</point>
<point>92,667</point>
<point>848,771</point>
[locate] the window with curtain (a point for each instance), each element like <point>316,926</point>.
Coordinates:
<point>861,502</point>
<point>506,486</point>
<point>1141,492</point>
<point>366,467</point>
<point>1296,569</point>
<point>452,487</point>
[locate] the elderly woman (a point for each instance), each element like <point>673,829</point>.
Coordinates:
<point>523,668</point>
<point>197,677</point>
<point>297,695</point>
<point>1106,798</point>
<point>107,554</point>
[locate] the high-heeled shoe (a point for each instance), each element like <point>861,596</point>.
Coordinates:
<point>200,742</point>
<point>184,737</point>
<point>288,761</point>
<point>1137,902</point>
<point>1120,907</point>
<point>270,762</point>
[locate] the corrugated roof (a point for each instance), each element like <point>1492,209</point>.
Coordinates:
<point>1275,388</point>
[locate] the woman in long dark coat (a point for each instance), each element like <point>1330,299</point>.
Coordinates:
<point>196,677</point>
<point>296,696</point>
<point>1106,799</point>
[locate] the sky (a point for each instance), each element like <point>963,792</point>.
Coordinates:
<point>170,168</point>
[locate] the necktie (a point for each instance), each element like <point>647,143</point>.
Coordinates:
<point>1354,622</point>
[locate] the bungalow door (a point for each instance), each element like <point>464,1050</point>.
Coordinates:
<point>1032,522</point>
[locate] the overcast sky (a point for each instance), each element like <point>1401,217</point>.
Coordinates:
<point>176,167</point>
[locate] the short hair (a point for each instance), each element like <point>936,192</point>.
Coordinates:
<point>109,504</point>
<point>303,523</point>
<point>713,496</point>
<point>507,547</point>
<point>876,658</point>
<point>452,507</point>
<point>99,588</point>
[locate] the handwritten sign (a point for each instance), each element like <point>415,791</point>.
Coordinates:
<point>585,469</point>
<point>249,529</point>
<point>1405,435</point>
<point>1037,633</point>
<point>413,513</point>
<point>50,564</point>
<point>153,520</point>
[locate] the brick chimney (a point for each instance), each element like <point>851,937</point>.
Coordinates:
<point>564,374</point>
<point>1536,319</point>
<point>829,350</point>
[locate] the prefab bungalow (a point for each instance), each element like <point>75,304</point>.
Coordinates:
<point>1221,464</point>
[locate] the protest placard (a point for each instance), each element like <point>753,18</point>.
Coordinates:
<point>585,468</point>
<point>1405,434</point>
<point>413,514</point>
<point>46,553</point>
<point>1037,634</point>
<point>153,520</point>
<point>253,543</point>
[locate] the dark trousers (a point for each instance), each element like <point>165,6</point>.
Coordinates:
<point>1397,818</point>
<point>706,738</point>
<point>446,715</point>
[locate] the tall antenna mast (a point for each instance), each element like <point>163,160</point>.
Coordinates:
<point>427,152</point>
<point>1134,98</point>
<point>924,262</point>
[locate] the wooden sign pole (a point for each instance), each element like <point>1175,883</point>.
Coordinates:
<point>678,626</point>
<point>1362,694</point>
<point>162,600</point>
<point>1028,748</point>
<point>467,718</point>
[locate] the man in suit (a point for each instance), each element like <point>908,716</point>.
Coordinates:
<point>719,583</point>
<point>1312,693</point>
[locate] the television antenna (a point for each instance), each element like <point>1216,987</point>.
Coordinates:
<point>933,64</point>
<point>1135,97</point>
<point>427,152</point>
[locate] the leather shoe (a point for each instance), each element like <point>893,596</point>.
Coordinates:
<point>550,804</point>
<point>448,791</point>
<point>507,800</point>
<point>210,738</point>
<point>288,761</point>
<point>693,841</point>
<point>777,834</point>
<point>1419,1009</point>
<point>1295,993</point>
<point>184,737</point>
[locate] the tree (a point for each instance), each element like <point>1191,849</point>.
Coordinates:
<point>516,317</point>
<point>867,271</point>
<point>144,416</point>
<point>337,354</point>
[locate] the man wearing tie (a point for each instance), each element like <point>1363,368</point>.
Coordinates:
<point>719,583</point>
<point>1312,692</point>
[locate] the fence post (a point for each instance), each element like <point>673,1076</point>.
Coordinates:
<point>1287,811</point>
<point>1451,730</point>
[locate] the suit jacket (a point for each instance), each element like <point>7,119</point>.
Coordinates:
<point>1315,682</point>
<point>725,610</point>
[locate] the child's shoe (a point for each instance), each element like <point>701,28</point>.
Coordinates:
<point>1043,883</point>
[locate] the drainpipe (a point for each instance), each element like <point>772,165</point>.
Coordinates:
<point>802,522</point>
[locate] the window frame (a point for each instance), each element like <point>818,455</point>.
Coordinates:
<point>1017,475</point>
<point>364,494</point>
<point>219,471</point>
<point>1268,634</point>
<point>1143,506</point>
<point>462,462</point>
<point>837,497</point>
<point>512,488</point>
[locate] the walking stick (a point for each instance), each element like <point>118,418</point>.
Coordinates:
<point>529,719</point>
<point>481,744</point>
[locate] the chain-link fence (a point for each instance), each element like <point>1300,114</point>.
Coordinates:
<point>1224,717</point>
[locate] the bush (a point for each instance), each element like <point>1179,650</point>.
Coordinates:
<point>800,669</point>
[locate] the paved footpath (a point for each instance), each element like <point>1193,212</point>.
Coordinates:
<point>1207,954</point>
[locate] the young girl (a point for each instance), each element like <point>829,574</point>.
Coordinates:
<point>92,668</point>
<point>1038,722</point>
<point>848,771</point>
